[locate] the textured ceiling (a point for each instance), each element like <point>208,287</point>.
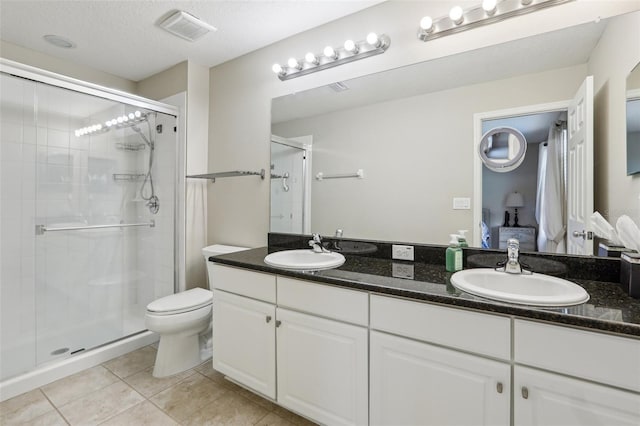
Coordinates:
<point>122,38</point>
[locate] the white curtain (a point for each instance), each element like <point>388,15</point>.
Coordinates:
<point>196,233</point>
<point>550,194</point>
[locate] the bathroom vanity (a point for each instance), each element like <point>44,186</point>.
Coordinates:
<point>355,345</point>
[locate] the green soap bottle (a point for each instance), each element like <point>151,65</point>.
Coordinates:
<point>453,255</point>
<point>462,238</point>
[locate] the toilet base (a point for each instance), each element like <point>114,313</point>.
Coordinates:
<point>176,354</point>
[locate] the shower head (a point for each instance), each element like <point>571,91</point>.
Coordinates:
<point>144,138</point>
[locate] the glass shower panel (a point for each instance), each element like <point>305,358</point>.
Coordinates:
<point>17,207</point>
<point>87,219</point>
<point>287,188</point>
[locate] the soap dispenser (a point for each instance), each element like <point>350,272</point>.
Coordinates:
<point>462,238</point>
<point>453,255</point>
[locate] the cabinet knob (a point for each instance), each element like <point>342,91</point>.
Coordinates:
<point>278,322</point>
<point>525,392</point>
<point>499,387</point>
<point>268,319</point>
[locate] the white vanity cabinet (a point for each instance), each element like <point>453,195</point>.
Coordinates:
<point>414,381</point>
<point>322,359</point>
<point>317,333</point>
<point>244,339</point>
<point>604,387</point>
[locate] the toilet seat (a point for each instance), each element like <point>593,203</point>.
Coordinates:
<point>185,301</point>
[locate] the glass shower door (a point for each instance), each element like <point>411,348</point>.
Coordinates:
<point>287,188</point>
<point>87,220</point>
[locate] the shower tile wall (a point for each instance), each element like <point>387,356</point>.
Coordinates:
<point>75,289</point>
<point>18,137</point>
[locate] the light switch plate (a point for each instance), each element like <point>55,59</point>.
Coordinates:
<point>401,252</point>
<point>461,203</point>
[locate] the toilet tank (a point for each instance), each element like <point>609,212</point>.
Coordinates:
<point>216,250</point>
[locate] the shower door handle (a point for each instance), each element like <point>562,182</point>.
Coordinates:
<point>285,176</point>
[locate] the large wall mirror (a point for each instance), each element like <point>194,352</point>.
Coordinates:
<point>633,121</point>
<point>399,145</point>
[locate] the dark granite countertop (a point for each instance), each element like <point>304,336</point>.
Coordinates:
<point>610,309</point>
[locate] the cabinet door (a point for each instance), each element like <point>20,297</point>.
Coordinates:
<point>244,341</point>
<point>542,398</point>
<point>322,368</point>
<point>414,383</point>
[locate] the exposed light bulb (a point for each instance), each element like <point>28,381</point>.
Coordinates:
<point>456,15</point>
<point>119,120</point>
<point>108,123</point>
<point>77,132</point>
<point>293,63</point>
<point>125,118</point>
<point>489,6</point>
<point>277,68</point>
<point>373,40</point>
<point>131,116</point>
<point>426,24</point>
<point>99,126</point>
<point>311,58</point>
<point>138,114</point>
<point>350,46</point>
<point>329,52</point>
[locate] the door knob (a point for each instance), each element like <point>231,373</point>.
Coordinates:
<point>586,235</point>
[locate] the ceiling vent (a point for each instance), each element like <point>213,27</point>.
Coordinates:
<point>186,26</point>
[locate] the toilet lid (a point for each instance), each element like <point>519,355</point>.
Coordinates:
<point>181,302</point>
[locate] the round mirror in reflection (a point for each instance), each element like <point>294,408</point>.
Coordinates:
<point>502,149</point>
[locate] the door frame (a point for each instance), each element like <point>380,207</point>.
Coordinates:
<point>478,118</point>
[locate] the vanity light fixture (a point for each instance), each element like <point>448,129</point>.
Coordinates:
<point>488,12</point>
<point>125,120</point>
<point>331,57</point>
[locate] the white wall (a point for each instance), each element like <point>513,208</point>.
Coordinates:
<point>241,92</point>
<point>617,53</point>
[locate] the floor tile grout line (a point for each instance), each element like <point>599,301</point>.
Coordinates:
<point>55,407</point>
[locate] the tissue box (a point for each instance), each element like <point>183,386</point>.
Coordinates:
<point>630,273</point>
<point>607,249</point>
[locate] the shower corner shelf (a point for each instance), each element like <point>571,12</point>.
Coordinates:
<point>214,176</point>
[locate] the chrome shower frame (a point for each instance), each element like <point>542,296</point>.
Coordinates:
<point>32,73</point>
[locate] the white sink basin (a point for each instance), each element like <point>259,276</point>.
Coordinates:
<point>304,260</point>
<point>533,290</point>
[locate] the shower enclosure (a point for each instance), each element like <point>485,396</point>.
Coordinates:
<point>290,184</point>
<point>87,216</point>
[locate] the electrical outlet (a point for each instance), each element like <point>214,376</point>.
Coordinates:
<point>462,203</point>
<point>402,252</point>
<point>402,270</point>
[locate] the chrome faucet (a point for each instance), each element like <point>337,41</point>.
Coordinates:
<point>513,265</point>
<point>316,244</point>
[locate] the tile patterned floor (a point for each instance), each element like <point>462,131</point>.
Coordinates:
<point>123,392</point>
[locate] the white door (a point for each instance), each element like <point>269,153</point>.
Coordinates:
<point>546,399</point>
<point>580,170</point>
<point>244,341</point>
<point>414,383</point>
<point>322,368</point>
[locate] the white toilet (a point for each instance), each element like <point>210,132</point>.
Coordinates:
<point>180,319</point>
